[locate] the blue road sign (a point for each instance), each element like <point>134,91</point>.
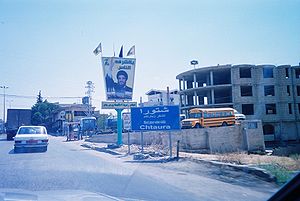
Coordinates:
<point>155,118</point>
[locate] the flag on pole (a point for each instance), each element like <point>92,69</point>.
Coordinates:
<point>131,51</point>
<point>98,49</point>
<point>121,52</point>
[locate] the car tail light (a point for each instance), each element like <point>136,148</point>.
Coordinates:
<point>45,140</point>
<point>18,141</point>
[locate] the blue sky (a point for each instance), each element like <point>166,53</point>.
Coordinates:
<point>48,45</point>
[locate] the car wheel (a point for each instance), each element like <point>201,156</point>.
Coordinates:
<point>197,126</point>
<point>224,123</point>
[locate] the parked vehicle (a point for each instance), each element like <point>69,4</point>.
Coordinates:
<point>15,119</point>
<point>239,116</point>
<point>209,117</point>
<point>31,137</point>
<point>182,117</point>
<point>88,126</point>
<point>111,124</point>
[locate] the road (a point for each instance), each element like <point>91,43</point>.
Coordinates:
<point>69,166</point>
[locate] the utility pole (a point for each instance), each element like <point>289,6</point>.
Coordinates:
<point>90,89</point>
<point>3,87</point>
<point>170,134</point>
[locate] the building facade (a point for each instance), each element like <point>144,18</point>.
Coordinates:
<point>266,92</point>
<point>70,113</point>
<point>161,97</point>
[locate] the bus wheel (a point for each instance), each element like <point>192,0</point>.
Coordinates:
<point>224,124</point>
<point>197,126</point>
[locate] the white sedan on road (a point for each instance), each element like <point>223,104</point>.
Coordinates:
<point>31,137</point>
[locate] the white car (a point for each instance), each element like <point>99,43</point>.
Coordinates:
<point>239,116</point>
<point>31,137</point>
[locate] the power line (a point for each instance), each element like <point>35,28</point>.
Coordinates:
<point>46,97</point>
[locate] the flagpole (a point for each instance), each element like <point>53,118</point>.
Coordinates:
<point>114,49</point>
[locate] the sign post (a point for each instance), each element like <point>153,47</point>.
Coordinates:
<point>160,118</point>
<point>127,126</point>
<point>170,134</point>
<point>118,106</point>
<point>119,124</point>
<point>118,74</point>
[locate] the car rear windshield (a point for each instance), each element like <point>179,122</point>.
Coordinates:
<point>32,130</point>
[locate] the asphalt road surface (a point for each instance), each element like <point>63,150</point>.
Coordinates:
<point>69,166</point>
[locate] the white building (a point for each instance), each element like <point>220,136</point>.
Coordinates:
<point>160,97</point>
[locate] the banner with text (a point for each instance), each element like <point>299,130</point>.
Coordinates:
<point>155,118</point>
<point>118,105</point>
<point>118,77</point>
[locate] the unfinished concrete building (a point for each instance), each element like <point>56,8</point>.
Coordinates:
<point>266,92</point>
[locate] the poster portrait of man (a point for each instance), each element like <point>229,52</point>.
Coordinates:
<point>119,77</point>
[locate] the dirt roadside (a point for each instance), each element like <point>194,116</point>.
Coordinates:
<point>270,168</point>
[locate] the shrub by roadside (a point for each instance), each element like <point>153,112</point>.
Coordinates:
<point>283,168</point>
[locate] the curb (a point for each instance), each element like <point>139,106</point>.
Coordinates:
<point>105,150</point>
<point>259,172</point>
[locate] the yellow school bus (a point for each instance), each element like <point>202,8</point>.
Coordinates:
<point>209,117</point>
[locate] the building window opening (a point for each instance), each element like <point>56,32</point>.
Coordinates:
<point>245,72</point>
<point>246,90</point>
<point>297,73</point>
<point>189,84</point>
<point>190,100</point>
<point>268,72</point>
<point>222,77</point>
<point>290,108</point>
<point>298,90</point>
<point>223,95</point>
<point>286,73</point>
<point>269,90</point>
<point>270,108</point>
<point>299,108</point>
<point>288,90</point>
<point>268,129</point>
<point>248,109</point>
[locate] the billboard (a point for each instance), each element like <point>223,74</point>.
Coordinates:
<point>118,77</point>
<point>155,118</point>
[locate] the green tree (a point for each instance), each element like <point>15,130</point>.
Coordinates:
<point>43,112</point>
<point>39,97</point>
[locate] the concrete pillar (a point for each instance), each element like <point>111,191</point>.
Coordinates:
<point>211,78</point>
<point>195,98</point>
<point>212,96</point>
<point>184,99</point>
<point>179,82</point>
<point>195,81</point>
<point>180,100</point>
<point>183,84</point>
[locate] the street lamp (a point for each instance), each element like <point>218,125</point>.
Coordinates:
<point>3,87</point>
<point>194,63</point>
